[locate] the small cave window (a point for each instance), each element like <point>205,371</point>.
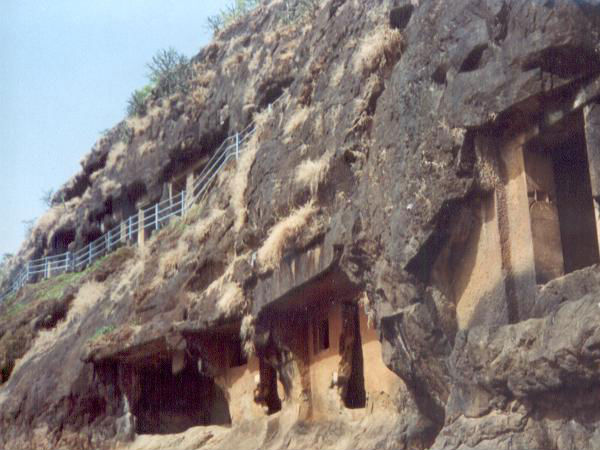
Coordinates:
<point>399,17</point>
<point>321,335</point>
<point>561,206</point>
<point>474,60</point>
<point>134,192</point>
<point>439,75</point>
<point>171,403</point>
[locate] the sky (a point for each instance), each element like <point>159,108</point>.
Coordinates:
<point>67,68</point>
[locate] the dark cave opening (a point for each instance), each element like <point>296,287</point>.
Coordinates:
<point>399,17</point>
<point>61,240</point>
<point>561,206</point>
<point>575,207</point>
<point>171,403</point>
<point>267,389</point>
<point>353,391</point>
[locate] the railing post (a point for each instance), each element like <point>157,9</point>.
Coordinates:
<point>156,209</point>
<point>107,241</point>
<point>71,260</point>
<point>90,254</point>
<point>237,146</point>
<point>27,272</point>
<point>123,232</point>
<point>130,226</point>
<point>141,237</point>
<point>189,190</point>
<point>46,267</point>
<point>182,203</point>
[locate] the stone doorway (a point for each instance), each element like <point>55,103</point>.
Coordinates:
<point>561,205</point>
<point>351,377</point>
<point>171,403</point>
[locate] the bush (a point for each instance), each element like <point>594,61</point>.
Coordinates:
<point>137,104</point>
<point>170,72</point>
<point>231,13</point>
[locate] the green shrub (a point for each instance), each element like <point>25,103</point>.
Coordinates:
<point>102,331</point>
<point>170,72</point>
<point>137,104</point>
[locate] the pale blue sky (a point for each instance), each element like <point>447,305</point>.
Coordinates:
<point>67,68</point>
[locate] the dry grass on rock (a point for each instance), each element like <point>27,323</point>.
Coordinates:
<point>281,234</point>
<point>231,299</point>
<point>311,173</point>
<point>296,121</point>
<point>383,43</point>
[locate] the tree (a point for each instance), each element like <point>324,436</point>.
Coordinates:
<point>169,71</point>
<point>46,197</point>
<point>28,227</point>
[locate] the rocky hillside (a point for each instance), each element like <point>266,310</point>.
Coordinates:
<point>420,181</point>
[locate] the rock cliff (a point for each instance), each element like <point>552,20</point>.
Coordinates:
<point>396,260</point>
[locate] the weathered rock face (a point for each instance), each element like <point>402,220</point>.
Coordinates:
<point>406,164</point>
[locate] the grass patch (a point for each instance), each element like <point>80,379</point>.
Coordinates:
<point>58,285</point>
<point>102,331</point>
<point>15,309</point>
<point>174,228</point>
<point>50,289</point>
<point>10,299</point>
<point>96,265</point>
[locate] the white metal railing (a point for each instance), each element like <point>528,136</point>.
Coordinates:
<point>127,232</point>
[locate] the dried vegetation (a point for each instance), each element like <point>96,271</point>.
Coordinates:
<point>379,48</point>
<point>311,173</point>
<point>281,234</point>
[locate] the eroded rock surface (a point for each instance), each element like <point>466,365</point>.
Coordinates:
<point>391,180</point>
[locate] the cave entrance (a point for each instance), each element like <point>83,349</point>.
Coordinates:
<point>561,205</point>
<point>267,390</point>
<point>336,354</point>
<point>62,239</point>
<point>172,403</point>
<point>352,366</point>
